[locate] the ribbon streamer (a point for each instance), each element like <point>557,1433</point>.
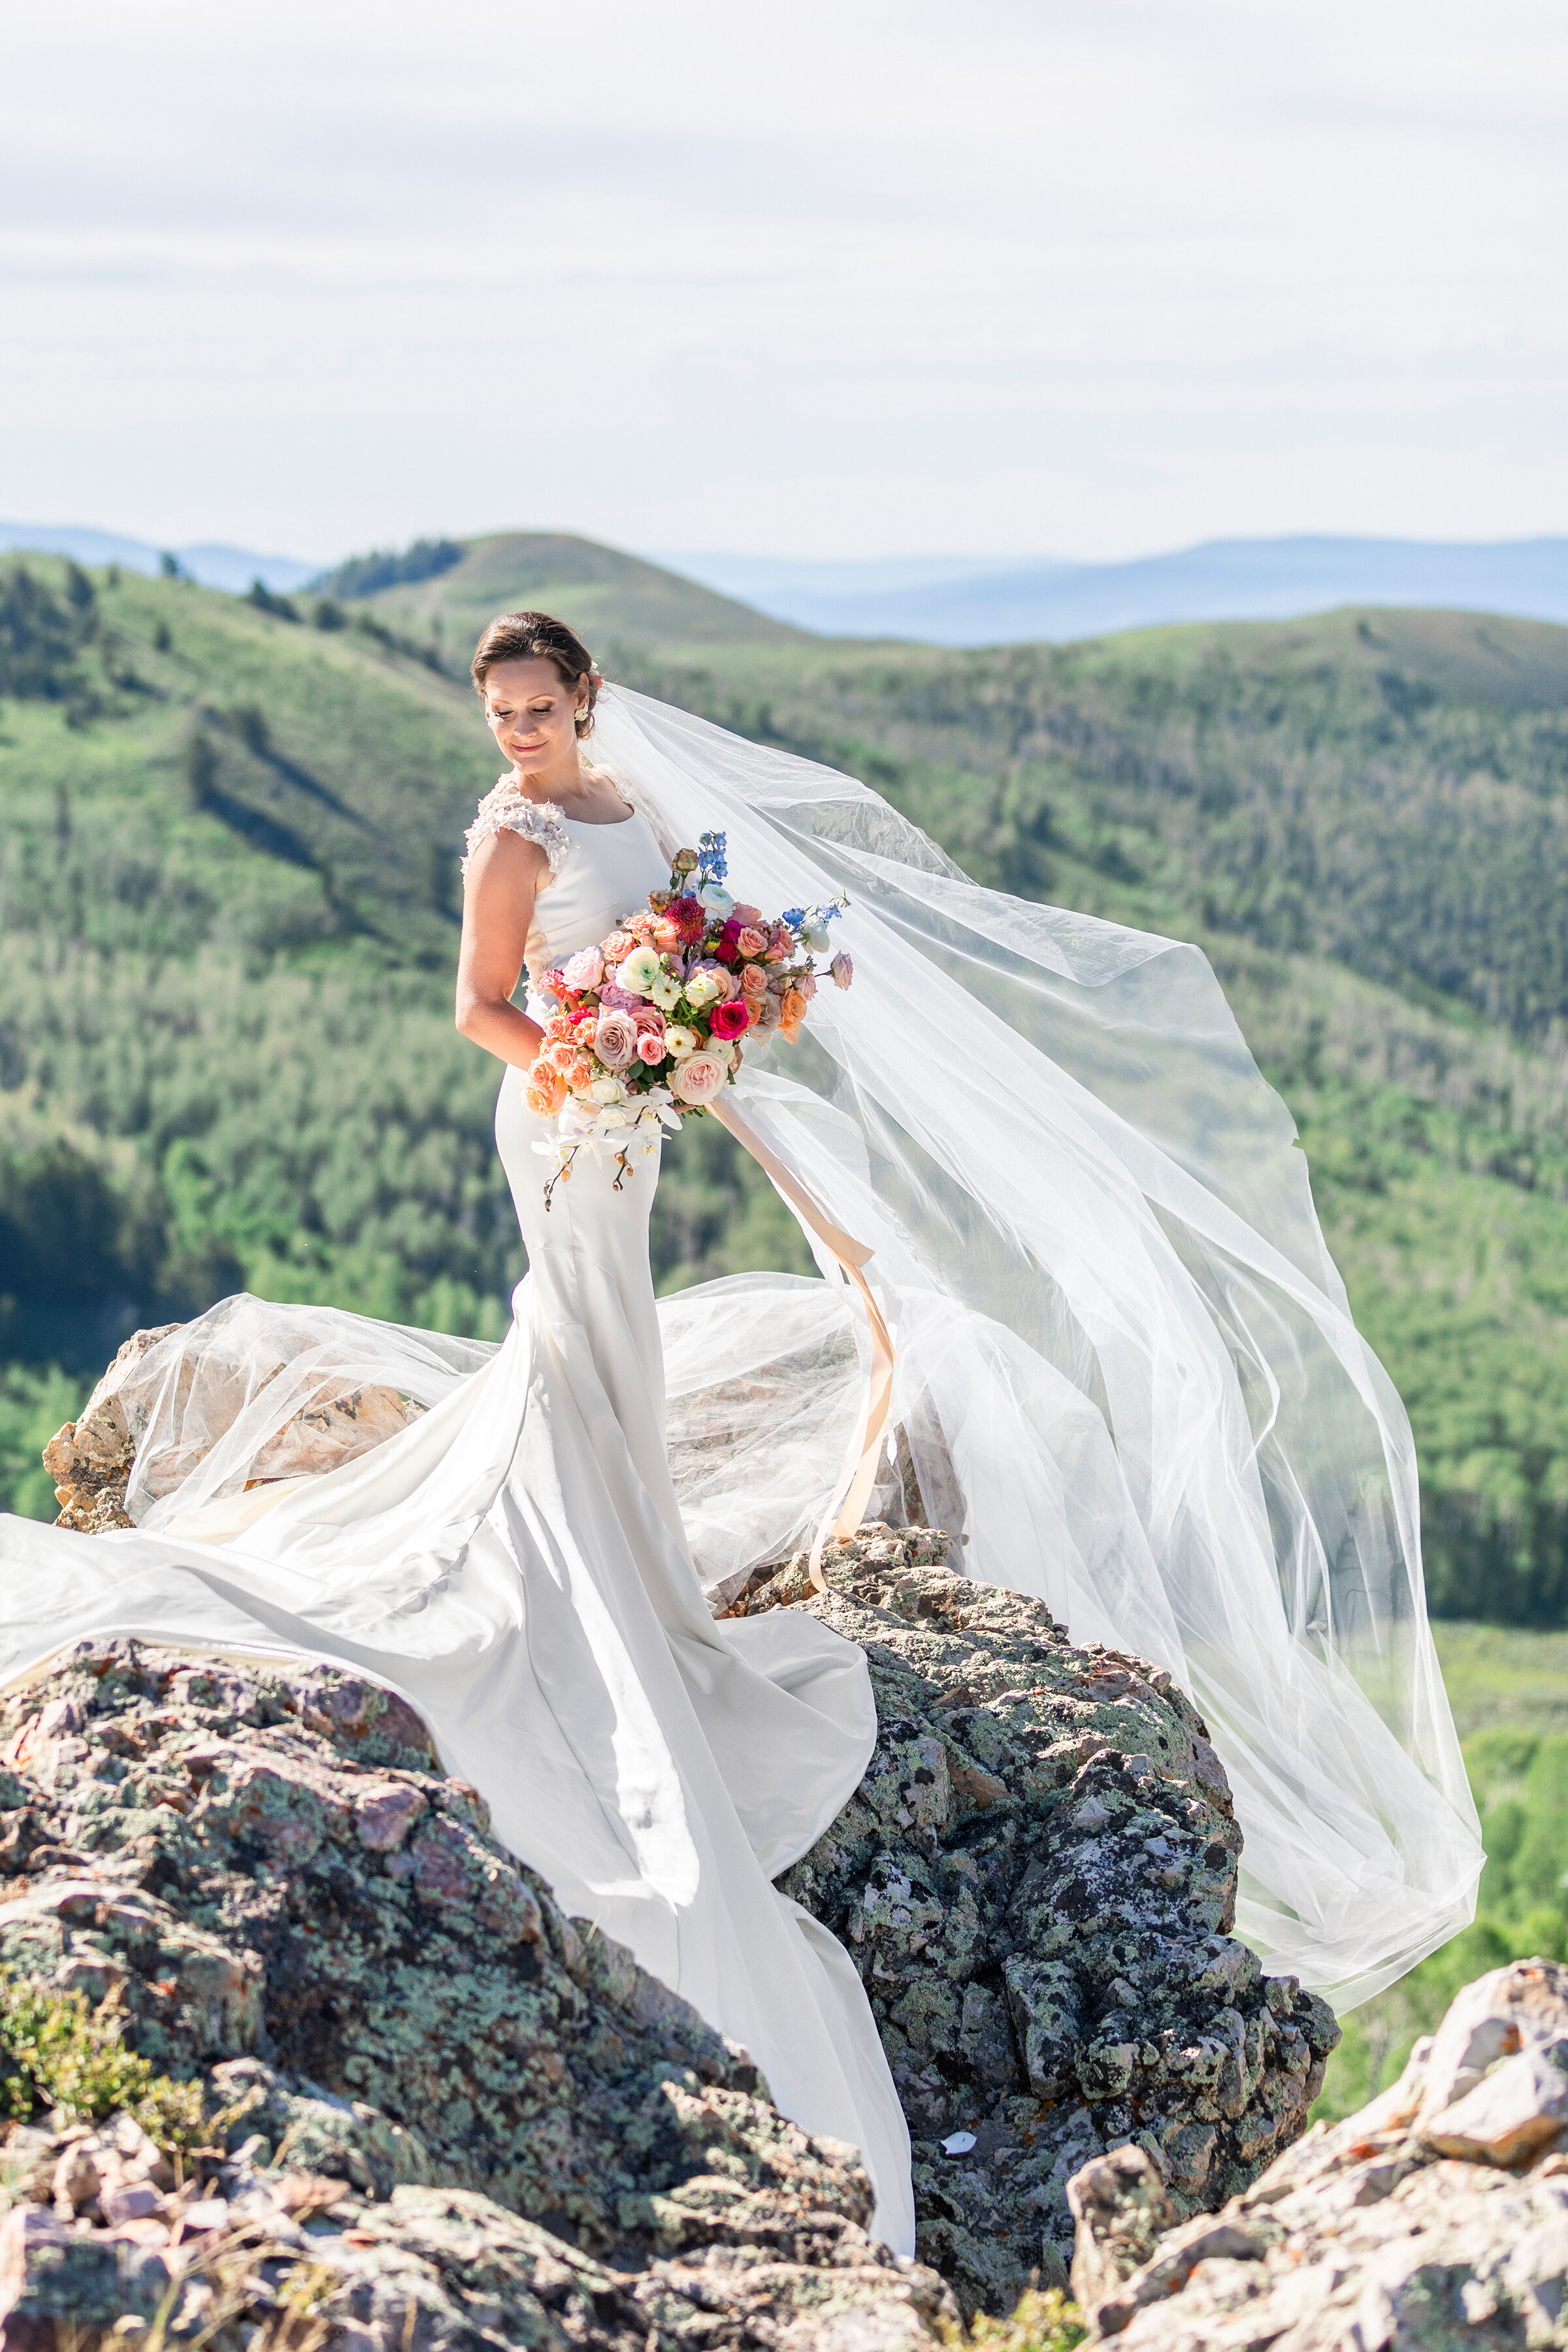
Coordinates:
<point>852,1488</point>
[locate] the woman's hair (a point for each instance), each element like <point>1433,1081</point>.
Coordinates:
<point>530,637</point>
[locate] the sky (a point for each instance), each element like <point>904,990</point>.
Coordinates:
<point>839,280</point>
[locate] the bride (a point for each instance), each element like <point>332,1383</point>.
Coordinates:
<point>1127,1382</point>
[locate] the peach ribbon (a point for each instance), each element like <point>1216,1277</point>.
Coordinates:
<point>852,1488</point>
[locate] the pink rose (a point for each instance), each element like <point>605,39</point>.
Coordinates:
<point>650,1044</point>
<point>751,941</point>
<point>618,944</point>
<point>843,969</point>
<point>806,984</point>
<point>584,970</point>
<point>697,1079</point>
<point>753,981</point>
<point>648,1016</point>
<point>743,914</point>
<point>615,1040</point>
<point>618,1000</point>
<point>731,1020</point>
<point>780,947</point>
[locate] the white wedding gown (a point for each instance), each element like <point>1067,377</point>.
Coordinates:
<point>514,1562</point>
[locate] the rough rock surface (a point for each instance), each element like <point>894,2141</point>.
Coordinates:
<point>1437,2217</point>
<point>91,1458</point>
<point>1037,1879</point>
<point>426,2092</point>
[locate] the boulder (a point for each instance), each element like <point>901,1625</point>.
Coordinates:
<point>425,2091</point>
<point>1037,1880</point>
<point>1437,2216</point>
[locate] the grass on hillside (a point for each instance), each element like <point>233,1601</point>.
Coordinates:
<point>603,593</point>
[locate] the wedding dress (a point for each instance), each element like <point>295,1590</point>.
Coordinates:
<point>514,1561</point>
<point>1127,1382</point>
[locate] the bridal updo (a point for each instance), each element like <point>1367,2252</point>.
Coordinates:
<point>537,636</point>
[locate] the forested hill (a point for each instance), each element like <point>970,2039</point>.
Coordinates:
<point>228,883</point>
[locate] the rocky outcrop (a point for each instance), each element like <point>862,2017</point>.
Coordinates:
<point>1037,1880</point>
<point>1438,2216</point>
<point>432,2108</point>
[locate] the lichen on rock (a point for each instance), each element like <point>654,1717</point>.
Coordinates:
<point>1037,1879</point>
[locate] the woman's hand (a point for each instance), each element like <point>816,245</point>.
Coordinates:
<point>499,891</point>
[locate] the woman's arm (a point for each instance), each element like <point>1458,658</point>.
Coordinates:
<point>498,890</point>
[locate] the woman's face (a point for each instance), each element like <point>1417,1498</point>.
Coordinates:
<point>533,715</point>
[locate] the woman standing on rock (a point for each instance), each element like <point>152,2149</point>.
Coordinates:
<point>1127,1383</point>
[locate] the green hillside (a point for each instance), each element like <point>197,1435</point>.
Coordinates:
<point>229,892</point>
<point>612,600</point>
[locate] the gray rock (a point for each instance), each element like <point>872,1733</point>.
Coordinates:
<point>1037,1880</point>
<point>1400,2230</point>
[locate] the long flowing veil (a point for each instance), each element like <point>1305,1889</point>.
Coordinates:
<point>1128,1376</point>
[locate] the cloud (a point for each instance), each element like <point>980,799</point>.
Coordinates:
<point>836,278</point>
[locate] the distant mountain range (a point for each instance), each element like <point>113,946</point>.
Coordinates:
<point>957,601</point>
<point>937,599</point>
<point>233,568</point>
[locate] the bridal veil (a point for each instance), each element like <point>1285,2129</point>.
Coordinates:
<point>1128,1376</point>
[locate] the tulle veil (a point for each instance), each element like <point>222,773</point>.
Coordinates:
<point>1128,1381</point>
<point>1127,1376</point>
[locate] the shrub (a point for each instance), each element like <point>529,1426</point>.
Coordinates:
<point>56,2052</point>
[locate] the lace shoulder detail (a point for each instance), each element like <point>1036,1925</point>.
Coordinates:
<point>507,809</point>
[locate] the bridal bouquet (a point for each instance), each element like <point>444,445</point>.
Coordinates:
<point>650,1022</point>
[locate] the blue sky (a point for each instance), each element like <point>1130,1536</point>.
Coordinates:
<point>845,279</point>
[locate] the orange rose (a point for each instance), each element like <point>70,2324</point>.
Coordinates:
<point>545,1091</point>
<point>753,981</point>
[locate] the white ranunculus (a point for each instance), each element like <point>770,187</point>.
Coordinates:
<point>639,971</point>
<point>679,1040</point>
